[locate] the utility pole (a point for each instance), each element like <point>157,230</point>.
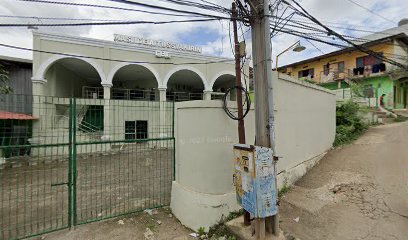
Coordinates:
<point>264,108</point>
<point>241,125</point>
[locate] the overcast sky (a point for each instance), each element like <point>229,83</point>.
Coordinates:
<point>212,36</point>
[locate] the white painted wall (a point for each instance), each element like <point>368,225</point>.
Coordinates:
<point>203,191</point>
<point>140,55</point>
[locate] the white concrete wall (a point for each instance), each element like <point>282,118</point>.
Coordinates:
<point>203,191</point>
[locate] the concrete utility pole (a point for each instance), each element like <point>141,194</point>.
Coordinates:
<point>264,108</point>
<point>241,124</point>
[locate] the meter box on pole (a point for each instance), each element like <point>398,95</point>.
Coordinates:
<point>254,179</point>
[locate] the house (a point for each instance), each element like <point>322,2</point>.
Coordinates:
<point>340,68</point>
<point>15,117</point>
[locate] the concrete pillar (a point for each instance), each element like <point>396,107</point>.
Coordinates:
<point>107,112</point>
<point>38,99</point>
<point>162,115</point>
<point>207,95</point>
<point>107,91</point>
<point>162,95</point>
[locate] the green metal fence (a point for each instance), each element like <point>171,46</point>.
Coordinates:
<point>69,161</point>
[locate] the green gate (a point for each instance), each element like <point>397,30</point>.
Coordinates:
<point>59,169</point>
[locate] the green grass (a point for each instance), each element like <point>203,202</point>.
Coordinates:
<point>285,189</point>
<point>220,230</point>
<point>400,118</point>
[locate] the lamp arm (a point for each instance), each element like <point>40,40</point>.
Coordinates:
<point>287,49</point>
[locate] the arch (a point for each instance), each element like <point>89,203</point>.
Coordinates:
<point>42,70</point>
<point>219,75</point>
<point>226,73</point>
<point>180,68</point>
<point>116,68</point>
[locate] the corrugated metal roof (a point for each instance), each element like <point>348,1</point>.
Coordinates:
<point>15,116</point>
<point>14,59</point>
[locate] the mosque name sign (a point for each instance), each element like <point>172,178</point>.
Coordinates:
<point>157,43</point>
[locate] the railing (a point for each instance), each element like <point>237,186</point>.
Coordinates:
<point>369,70</point>
<point>334,75</point>
<point>62,122</point>
<point>119,93</point>
<point>92,92</point>
<point>346,94</point>
<point>133,94</point>
<point>183,96</point>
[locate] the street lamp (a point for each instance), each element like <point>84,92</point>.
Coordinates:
<point>296,47</point>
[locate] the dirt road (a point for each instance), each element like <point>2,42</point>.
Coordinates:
<point>359,191</point>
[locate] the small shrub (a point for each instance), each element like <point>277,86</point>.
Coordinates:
<point>349,125</point>
<point>285,189</point>
<point>201,231</point>
<point>400,118</point>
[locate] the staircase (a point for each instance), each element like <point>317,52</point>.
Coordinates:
<point>62,122</point>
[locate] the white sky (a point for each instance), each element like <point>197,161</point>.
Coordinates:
<point>212,36</point>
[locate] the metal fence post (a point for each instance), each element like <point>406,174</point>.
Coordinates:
<point>74,161</point>
<point>70,148</point>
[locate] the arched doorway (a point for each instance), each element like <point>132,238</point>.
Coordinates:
<point>185,85</point>
<point>134,82</point>
<point>222,84</point>
<point>72,77</point>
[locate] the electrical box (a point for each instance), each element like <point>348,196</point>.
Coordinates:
<point>254,179</point>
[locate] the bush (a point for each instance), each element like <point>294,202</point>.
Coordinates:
<point>349,125</point>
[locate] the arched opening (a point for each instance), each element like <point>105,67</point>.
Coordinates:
<point>72,77</point>
<point>185,85</point>
<point>134,82</point>
<point>222,84</point>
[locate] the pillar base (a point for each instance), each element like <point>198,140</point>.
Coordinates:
<point>196,210</point>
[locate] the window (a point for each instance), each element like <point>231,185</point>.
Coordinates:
<point>367,61</point>
<point>333,67</point>
<point>340,67</point>
<point>306,73</point>
<point>136,130</point>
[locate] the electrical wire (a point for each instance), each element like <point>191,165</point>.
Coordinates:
<point>311,43</point>
<point>60,18</point>
<point>162,8</point>
<point>102,23</point>
<point>247,101</point>
<point>332,32</point>
<point>371,11</point>
<point>190,13</point>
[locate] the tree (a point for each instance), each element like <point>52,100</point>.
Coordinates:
<point>4,80</point>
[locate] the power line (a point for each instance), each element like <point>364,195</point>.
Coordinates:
<point>102,23</point>
<point>110,59</point>
<point>191,4</point>
<point>189,13</point>
<point>161,8</point>
<point>311,43</point>
<point>61,18</point>
<point>331,32</point>
<point>294,20</point>
<point>371,11</point>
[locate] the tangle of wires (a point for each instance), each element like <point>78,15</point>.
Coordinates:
<point>322,29</point>
<point>247,103</point>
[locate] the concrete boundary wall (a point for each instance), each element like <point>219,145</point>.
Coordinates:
<point>203,190</point>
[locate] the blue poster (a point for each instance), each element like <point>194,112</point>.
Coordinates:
<point>266,193</point>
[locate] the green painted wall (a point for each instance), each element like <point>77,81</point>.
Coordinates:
<point>382,85</point>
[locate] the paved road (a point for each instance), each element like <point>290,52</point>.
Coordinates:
<point>359,191</point>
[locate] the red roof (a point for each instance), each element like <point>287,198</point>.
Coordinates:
<point>16,116</point>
